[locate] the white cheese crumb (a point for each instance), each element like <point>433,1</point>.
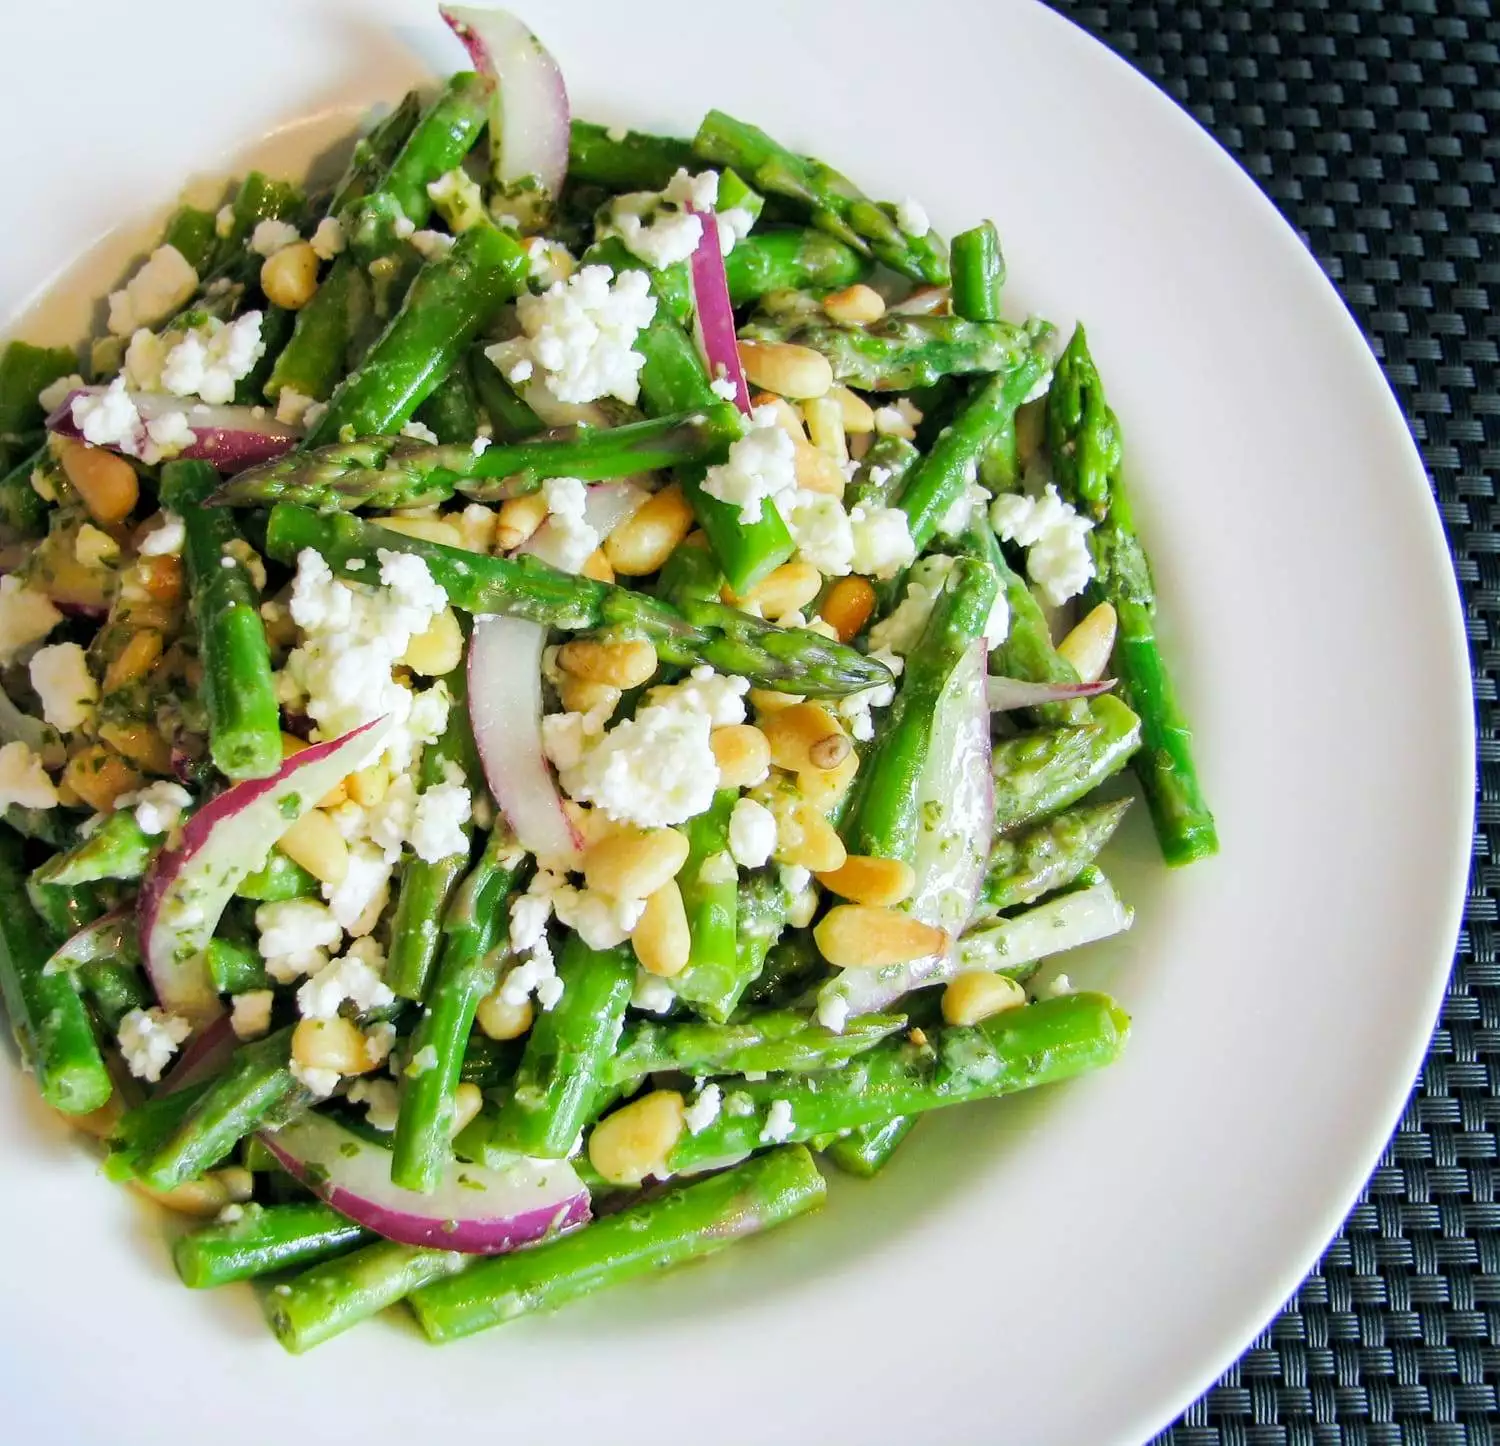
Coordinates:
<point>320,1083</point>
<point>803,907</point>
<point>901,631</point>
<point>833,1012</point>
<point>294,937</point>
<point>157,806</point>
<point>419,432</point>
<point>912,218</point>
<point>779,1124</point>
<point>158,289</point>
<point>250,1013</point>
<point>761,465</point>
<point>567,502</point>
<point>432,244</point>
<point>359,898</point>
<point>291,407</point>
<point>752,833</point>
<point>652,993</point>
<point>329,239</point>
<point>109,418</point>
<point>149,1038</point>
<point>271,236</point>
<point>26,617</point>
<point>381,1100</point>
<point>60,675</point>
<point>1055,539</point>
<point>51,397</point>
<point>351,978</point>
<point>822,531</point>
<point>1057,987</point>
<point>423,1060</point>
<point>704,1109</point>
<point>437,828</point>
<point>23,780</point>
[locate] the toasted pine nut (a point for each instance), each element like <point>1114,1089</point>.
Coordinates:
<point>517,518</point>
<point>204,1197</point>
<point>620,665</point>
<point>580,696</point>
<point>99,1124</point>
<point>742,753</point>
<point>645,540</point>
<point>660,938</point>
<point>635,863</point>
<point>98,775</point>
<point>788,418</point>
<point>476,525</point>
<point>824,787</point>
<point>857,415</point>
<point>825,425</point>
<point>596,565</point>
<point>766,701</point>
<point>848,606</point>
<point>315,842</point>
<point>339,793</point>
<point>335,1044</point>
<point>161,577</point>
<point>805,735</point>
<point>1091,642</point>
<point>107,483</point>
<point>1031,424</point>
<point>289,277</point>
<point>864,879</point>
<point>786,589</point>
<point>817,471</point>
<point>467,1102</point>
<point>428,529</point>
<point>499,1019</point>
<point>636,1140</point>
<point>805,837</point>
<point>791,371</point>
<point>369,786</point>
<point>861,936</point>
<point>141,744</point>
<point>858,305</point>
<point>974,996</point>
<point>696,538</point>
<point>134,660</point>
<point>439,649</point>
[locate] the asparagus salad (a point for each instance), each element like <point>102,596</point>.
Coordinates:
<point>539,695</point>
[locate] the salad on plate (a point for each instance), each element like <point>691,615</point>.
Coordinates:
<point>544,688</point>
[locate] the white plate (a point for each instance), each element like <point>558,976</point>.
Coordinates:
<point>1066,1269</point>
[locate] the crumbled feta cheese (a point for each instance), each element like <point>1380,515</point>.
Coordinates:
<point>403,228</point>
<point>599,919</point>
<point>725,389</point>
<point>734,225</point>
<point>350,978</point>
<point>1055,539</point>
<point>381,1100</point>
<point>956,518</point>
<point>431,244</point>
<point>704,1109</point>
<point>419,432</point>
<point>329,239</point>
<point>26,617</point>
<point>380,1040</point>
<point>794,878</point>
<point>912,219</point>
<point>822,531</point>
<point>898,420</point>
<point>108,418</point>
<point>159,288</point>
<point>437,831</point>
<point>157,806</point>
<point>360,897</point>
<point>652,993</point>
<point>667,238</point>
<point>231,1214</point>
<point>717,695</point>
<point>882,541</point>
<point>295,937</point>
<point>149,1038</point>
<point>550,261</point>
<point>206,362</point>
<point>567,500</point>
<point>60,674</point>
<point>250,1013</point>
<point>271,236</point>
<point>531,975</point>
<point>520,372</point>
<point>833,1012</point>
<point>761,465</point>
<point>319,1083</point>
<point>168,435</point>
<point>997,625</point>
<point>51,397</point>
<point>423,1060</point>
<point>458,198</point>
<point>854,708</point>
<point>701,192</point>
<point>582,332</point>
<point>23,780</point>
<point>752,833</point>
<point>804,905</point>
<point>779,1124</point>
<point>291,407</point>
<point>902,630</point>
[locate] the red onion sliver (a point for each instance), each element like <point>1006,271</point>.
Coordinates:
<point>1007,693</point>
<point>713,313</point>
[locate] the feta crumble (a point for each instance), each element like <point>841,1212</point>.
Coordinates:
<point>250,1013</point>
<point>271,236</point>
<point>149,1038</point>
<point>207,361</point>
<point>822,531</point>
<point>329,239</point>
<point>319,1083</point>
<point>1054,536</point>
<point>779,1125</point>
<point>162,285</point>
<point>359,898</point>
<point>912,218</point>
<point>833,1012</point>
<point>882,541</point>
<point>296,936</point>
<point>291,407</point>
<point>422,1061</point>
<point>381,1100</point>
<point>752,833</point>
<point>704,1109</point>
<point>353,978</point>
<point>60,674</point>
<point>761,466</point>
<point>652,993</point>
<point>437,830</point>
<point>567,502</point>
<point>26,617</point>
<point>52,396</point>
<point>23,780</point>
<point>431,244</point>
<point>108,418</point>
<point>157,806</point>
<point>902,630</point>
<point>419,432</point>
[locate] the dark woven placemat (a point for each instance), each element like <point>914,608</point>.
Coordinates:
<point>1375,127</point>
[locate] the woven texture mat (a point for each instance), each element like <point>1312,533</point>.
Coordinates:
<point>1375,127</point>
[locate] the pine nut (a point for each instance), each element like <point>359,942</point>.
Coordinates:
<point>660,938</point>
<point>635,863</point>
<point>742,753</point>
<point>289,277</point>
<point>791,371</point>
<point>848,606</point>
<point>468,1100</point>
<point>618,665</point>
<point>864,879</point>
<point>766,701</point>
<point>596,566</point>
<point>498,1019</point>
<point>825,425</point>
<point>141,744</point>
<point>581,696</point>
<point>786,589</point>
<point>857,305</point>
<point>98,775</point>
<point>1089,645</point>
<point>646,539</point>
<point>861,936</point>
<point>803,735</point>
<point>824,787</point>
<point>134,660</point>
<point>107,483</point>
<point>806,838</point>
<point>517,518</point>
<point>636,1140</point>
<point>428,529</point>
<point>315,842</point>
<point>439,649</point>
<point>788,418</point>
<point>817,471</point>
<point>206,1196</point>
<point>335,1044</point>
<point>161,577</point>
<point>974,996</point>
<point>857,415</point>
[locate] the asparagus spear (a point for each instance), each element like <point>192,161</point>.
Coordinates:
<point>566,1054</point>
<point>451,413</point>
<point>244,719</point>
<point>702,632</point>
<point>373,153</point>
<point>1084,437</point>
<point>193,233</point>
<point>262,1239</point>
<point>452,297</point>
<point>259,198</point>
<point>315,357</point>
<point>235,966</point>
<point>278,879</point>
<point>475,921</point>
<point>50,1023</point>
<point>114,989</point>
<point>884,818</point>
<point>399,472</point>
<point>47,825</point>
<point>978,273</point>
<point>733,924</point>
<point>1050,855</point>
<point>882,473</point>
<point>331,1296</point>
<point>632,161</point>
<point>23,513</point>
<point>687,1223</point>
<point>511,419</point>
<point>1017,1050</point>
<point>794,259</point>
<point>1036,774</point>
<point>833,203</point>
<point>26,370</point>
<point>899,353</point>
<point>1016,946</point>
<point>791,964</point>
<point>864,1151</point>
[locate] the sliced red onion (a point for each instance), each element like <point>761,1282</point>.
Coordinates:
<point>89,612</point>
<point>956,790</point>
<point>529,114</point>
<point>1007,693</point>
<point>112,936</point>
<point>186,888</point>
<point>924,301</point>
<point>505,712</point>
<point>19,727</point>
<point>607,505</point>
<point>203,1057</point>
<point>231,438</point>
<point>713,313</point>
<point>474,1210</point>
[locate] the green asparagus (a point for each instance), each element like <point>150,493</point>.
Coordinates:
<point>278,879</point>
<point>26,370</point>
<point>882,473</point>
<point>373,153</point>
<point>629,161</point>
<point>716,978</point>
<point>978,273</point>
<point>1047,856</point>
<point>710,894</point>
<point>192,232</point>
<point>864,1152</point>
<point>262,1239</point>
<point>801,260</point>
